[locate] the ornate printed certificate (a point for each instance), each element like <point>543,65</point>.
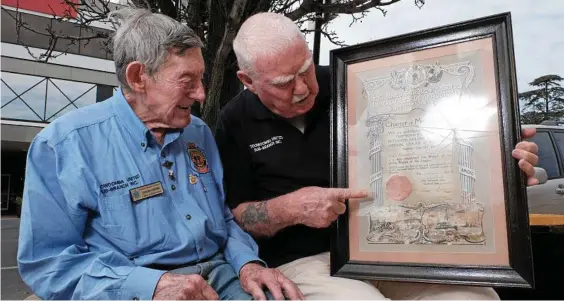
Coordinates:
<point>429,133</point>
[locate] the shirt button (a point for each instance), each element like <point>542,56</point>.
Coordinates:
<point>135,298</point>
<point>163,154</point>
<point>188,217</point>
<point>142,144</point>
<point>173,187</point>
<point>200,249</point>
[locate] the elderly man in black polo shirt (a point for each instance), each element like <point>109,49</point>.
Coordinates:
<point>274,143</point>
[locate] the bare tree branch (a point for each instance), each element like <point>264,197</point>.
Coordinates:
<point>216,22</point>
<point>305,8</point>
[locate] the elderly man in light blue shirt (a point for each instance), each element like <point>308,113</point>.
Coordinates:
<point>123,199</point>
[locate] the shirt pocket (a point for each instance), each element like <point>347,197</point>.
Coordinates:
<point>214,205</point>
<point>137,228</point>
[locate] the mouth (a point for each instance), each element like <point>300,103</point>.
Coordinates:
<point>185,108</point>
<point>299,101</point>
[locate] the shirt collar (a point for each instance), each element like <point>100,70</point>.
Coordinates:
<point>258,109</point>
<point>130,120</point>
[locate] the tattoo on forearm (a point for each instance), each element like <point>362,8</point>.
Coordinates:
<point>254,214</point>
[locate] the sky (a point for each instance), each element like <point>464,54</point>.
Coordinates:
<point>538,29</point>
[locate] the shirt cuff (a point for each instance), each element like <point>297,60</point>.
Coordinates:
<point>242,259</point>
<point>141,284</point>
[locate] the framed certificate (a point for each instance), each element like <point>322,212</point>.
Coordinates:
<point>426,122</point>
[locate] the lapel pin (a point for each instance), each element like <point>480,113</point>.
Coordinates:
<point>193,179</point>
<point>167,164</point>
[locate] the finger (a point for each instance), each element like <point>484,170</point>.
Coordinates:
<point>338,207</point>
<point>274,288</point>
<point>532,181</point>
<point>528,133</point>
<point>209,293</point>
<point>193,293</point>
<point>290,288</point>
<point>331,217</point>
<point>530,147</point>
<point>524,155</point>
<point>527,168</point>
<point>345,193</point>
<point>255,290</point>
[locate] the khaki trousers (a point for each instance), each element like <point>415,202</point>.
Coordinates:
<point>311,274</point>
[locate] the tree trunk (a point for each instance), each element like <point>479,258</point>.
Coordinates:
<point>546,112</point>
<point>211,106</point>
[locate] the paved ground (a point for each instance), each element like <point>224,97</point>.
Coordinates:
<point>13,288</point>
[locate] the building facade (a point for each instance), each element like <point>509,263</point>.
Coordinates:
<point>35,92</point>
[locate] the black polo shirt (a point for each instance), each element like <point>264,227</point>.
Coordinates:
<point>265,156</point>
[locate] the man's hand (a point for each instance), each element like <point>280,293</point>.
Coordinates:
<point>183,287</point>
<point>526,152</point>
<point>318,207</point>
<point>254,277</point>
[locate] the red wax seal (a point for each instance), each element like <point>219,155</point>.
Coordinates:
<point>398,188</point>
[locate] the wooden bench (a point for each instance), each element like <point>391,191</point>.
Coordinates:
<point>546,220</point>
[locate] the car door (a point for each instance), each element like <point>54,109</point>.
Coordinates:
<point>548,198</point>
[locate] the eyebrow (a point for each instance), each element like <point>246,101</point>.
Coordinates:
<point>286,78</point>
<point>306,65</point>
<point>282,79</point>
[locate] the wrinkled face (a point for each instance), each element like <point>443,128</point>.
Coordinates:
<point>286,83</point>
<point>175,87</point>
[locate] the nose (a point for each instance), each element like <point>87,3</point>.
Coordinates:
<point>300,88</point>
<point>199,94</point>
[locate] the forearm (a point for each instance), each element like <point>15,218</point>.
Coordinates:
<point>266,218</point>
<point>81,276</point>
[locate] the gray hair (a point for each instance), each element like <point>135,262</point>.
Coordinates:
<point>264,34</point>
<point>147,37</point>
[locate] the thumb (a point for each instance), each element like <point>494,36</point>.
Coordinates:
<point>528,133</point>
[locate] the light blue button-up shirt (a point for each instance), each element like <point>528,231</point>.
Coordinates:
<point>82,235</point>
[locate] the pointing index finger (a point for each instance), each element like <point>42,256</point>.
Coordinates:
<point>347,193</point>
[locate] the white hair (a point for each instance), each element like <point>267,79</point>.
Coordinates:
<point>147,37</point>
<point>264,34</point>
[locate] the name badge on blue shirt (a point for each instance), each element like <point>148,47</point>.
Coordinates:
<point>146,191</point>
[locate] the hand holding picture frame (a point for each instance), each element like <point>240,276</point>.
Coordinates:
<point>426,122</point>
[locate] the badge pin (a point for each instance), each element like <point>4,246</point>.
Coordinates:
<point>167,164</point>
<point>198,158</point>
<point>171,175</point>
<point>193,179</point>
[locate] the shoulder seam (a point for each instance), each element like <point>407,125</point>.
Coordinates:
<point>64,137</point>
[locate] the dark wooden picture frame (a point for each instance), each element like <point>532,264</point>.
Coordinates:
<point>519,271</point>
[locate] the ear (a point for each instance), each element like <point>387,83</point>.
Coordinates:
<point>135,76</point>
<point>246,80</point>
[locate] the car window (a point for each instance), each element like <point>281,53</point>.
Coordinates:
<point>559,139</point>
<point>547,154</point>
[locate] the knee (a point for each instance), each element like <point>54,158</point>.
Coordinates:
<point>343,289</point>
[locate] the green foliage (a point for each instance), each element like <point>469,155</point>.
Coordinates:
<point>544,102</point>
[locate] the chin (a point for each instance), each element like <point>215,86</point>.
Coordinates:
<point>305,108</point>
<point>180,124</point>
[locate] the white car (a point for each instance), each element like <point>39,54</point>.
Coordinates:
<point>548,197</point>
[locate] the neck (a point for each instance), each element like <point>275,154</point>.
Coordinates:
<point>137,103</point>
